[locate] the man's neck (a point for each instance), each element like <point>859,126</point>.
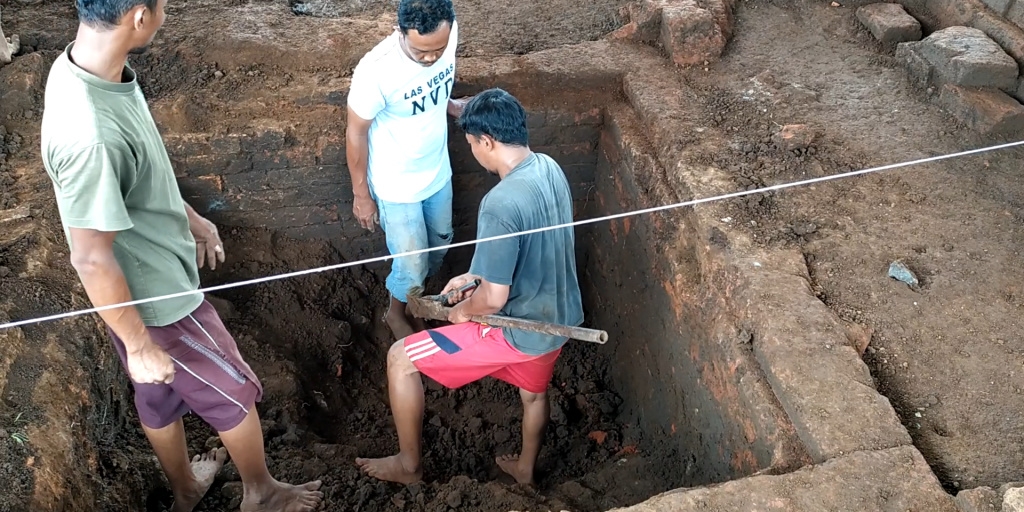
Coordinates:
<point>102,54</point>
<point>511,158</point>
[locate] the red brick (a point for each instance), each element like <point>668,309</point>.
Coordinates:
<point>987,111</point>
<point>795,136</point>
<point>691,35</point>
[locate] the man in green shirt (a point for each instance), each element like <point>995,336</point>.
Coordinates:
<point>132,237</point>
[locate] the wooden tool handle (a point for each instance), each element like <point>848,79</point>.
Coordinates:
<point>576,333</point>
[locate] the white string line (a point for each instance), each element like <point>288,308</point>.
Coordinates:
<point>377,259</point>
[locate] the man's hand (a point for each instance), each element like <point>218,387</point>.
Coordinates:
<point>209,247</point>
<point>455,106</point>
<point>365,211</point>
<point>459,282</point>
<point>150,364</point>
<point>457,315</point>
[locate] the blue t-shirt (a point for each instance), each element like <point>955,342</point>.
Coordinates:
<point>539,268</point>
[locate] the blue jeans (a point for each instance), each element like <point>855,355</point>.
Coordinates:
<point>416,226</point>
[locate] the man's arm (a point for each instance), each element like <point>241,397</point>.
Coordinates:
<point>357,150</point>
<point>456,106</point>
<point>92,256</point>
<point>487,299</point>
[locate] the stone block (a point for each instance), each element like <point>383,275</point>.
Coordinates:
<point>593,116</point>
<point>981,499</point>
<point>918,67</point>
<point>849,483</point>
<point>967,57</point>
<point>226,144</point>
<point>889,23</point>
<point>1016,14</point>
<point>313,176</point>
<point>987,111</point>
<point>691,35</point>
<point>1019,92</point>
<point>558,135</point>
<point>1005,34</point>
<point>999,6</point>
<point>270,139</point>
<point>1013,500</point>
<point>584,153</point>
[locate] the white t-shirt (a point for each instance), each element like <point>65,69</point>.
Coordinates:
<point>408,103</point>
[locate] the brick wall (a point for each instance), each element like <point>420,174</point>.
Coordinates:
<point>678,361</point>
<point>300,187</point>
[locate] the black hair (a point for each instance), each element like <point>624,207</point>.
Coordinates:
<point>424,16</point>
<point>108,13</point>
<point>497,114</point>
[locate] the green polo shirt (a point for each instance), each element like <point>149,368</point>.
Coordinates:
<point>110,172</point>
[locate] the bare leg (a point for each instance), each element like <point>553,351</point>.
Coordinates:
<point>536,411</point>
<point>262,492</point>
<point>398,320</point>
<point>405,388</point>
<point>189,480</point>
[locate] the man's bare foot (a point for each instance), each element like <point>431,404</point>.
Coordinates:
<point>284,498</point>
<point>510,464</point>
<point>390,469</point>
<point>204,467</point>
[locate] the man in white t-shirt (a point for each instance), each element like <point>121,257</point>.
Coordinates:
<point>397,145</point>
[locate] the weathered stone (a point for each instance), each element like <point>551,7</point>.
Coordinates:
<point>691,35</point>
<point>981,499</point>
<point>21,212</point>
<point>1006,487</point>
<point>889,23</point>
<point>918,67</point>
<point>1016,14</point>
<point>1019,92</point>
<point>1013,500</point>
<point>987,111</point>
<point>967,57</point>
<point>9,46</point>
<point>999,6</point>
<point>845,483</point>
<point>1005,34</point>
<point>795,136</point>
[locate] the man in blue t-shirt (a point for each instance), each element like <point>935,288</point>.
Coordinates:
<point>529,276</point>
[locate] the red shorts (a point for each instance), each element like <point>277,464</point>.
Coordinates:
<point>456,355</point>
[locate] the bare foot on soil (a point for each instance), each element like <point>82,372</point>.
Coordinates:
<point>390,469</point>
<point>205,467</point>
<point>510,464</point>
<point>286,498</point>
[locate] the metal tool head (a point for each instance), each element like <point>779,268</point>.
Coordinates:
<point>426,307</point>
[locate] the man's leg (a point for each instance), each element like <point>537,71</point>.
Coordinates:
<point>532,378</point>
<point>404,231</point>
<point>262,493</point>
<point>189,481</point>
<point>437,214</point>
<point>221,388</point>
<point>405,389</point>
<point>161,404</point>
<point>536,411</point>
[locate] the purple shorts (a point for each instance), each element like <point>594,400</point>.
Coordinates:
<point>210,376</point>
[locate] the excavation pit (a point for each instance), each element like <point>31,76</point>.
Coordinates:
<point>663,405</point>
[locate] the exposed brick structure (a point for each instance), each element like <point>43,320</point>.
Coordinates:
<point>690,31</point>
<point>302,189</point>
